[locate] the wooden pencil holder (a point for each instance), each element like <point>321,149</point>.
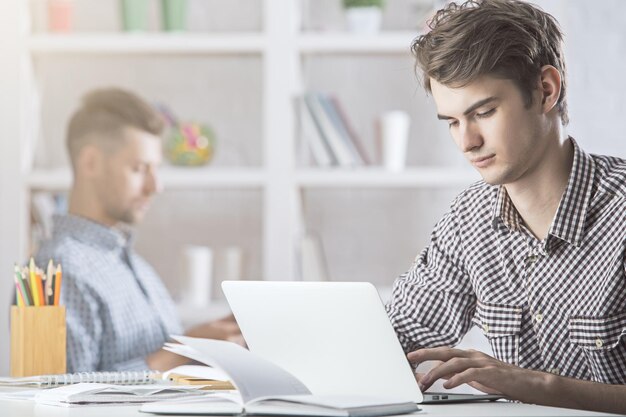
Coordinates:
<point>38,343</point>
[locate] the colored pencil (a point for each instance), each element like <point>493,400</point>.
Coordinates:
<point>57,285</point>
<point>48,289</point>
<point>20,290</point>
<point>33,282</point>
<point>26,277</point>
<point>18,294</point>
<point>28,297</point>
<point>40,286</point>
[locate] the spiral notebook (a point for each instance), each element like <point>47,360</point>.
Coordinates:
<point>114,378</point>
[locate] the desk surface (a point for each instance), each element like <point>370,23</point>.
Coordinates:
<point>12,408</point>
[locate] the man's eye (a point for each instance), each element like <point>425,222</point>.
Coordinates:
<point>485,114</point>
<point>453,123</point>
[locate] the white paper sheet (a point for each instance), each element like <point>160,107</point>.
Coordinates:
<point>252,375</point>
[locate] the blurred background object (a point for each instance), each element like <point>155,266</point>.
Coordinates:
<point>60,15</point>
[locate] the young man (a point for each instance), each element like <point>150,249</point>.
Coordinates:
<point>535,253</point>
<point>119,314</point>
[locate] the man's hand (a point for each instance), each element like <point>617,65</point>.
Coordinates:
<point>476,369</point>
<point>223,329</point>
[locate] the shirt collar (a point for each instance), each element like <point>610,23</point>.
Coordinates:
<point>504,211</point>
<point>569,221</point>
<point>90,232</point>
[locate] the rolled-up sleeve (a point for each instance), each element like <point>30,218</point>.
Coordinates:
<point>433,303</point>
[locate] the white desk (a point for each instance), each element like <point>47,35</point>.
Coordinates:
<point>10,408</point>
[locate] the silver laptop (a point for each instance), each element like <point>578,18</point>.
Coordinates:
<point>333,336</point>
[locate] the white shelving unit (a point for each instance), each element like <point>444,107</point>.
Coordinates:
<point>281,48</point>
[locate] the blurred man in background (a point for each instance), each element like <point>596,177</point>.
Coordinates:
<point>119,314</point>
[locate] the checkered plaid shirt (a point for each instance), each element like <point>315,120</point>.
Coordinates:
<point>118,310</point>
<point>557,305</point>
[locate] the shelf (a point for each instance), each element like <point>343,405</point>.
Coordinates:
<point>158,42</point>
<point>344,42</point>
<point>218,43</point>
<point>378,177</point>
<point>171,178</point>
<point>197,178</point>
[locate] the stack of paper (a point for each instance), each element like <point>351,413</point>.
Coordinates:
<point>93,394</point>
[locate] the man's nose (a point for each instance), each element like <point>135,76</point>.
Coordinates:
<point>470,137</point>
<point>153,183</point>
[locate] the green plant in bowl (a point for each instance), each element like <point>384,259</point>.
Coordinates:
<point>349,4</point>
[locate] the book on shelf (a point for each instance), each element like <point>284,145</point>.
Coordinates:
<point>310,136</point>
<point>264,388</point>
<point>329,131</point>
<point>350,133</point>
<point>326,130</point>
<point>321,125</point>
<point>329,106</point>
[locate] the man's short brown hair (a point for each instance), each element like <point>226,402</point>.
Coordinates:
<point>509,39</point>
<point>103,116</point>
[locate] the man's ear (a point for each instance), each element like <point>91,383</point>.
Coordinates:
<point>89,161</point>
<point>550,80</point>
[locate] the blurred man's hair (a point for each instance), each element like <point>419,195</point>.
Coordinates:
<point>508,39</point>
<point>103,116</point>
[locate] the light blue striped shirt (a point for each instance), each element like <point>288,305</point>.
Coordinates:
<point>118,310</point>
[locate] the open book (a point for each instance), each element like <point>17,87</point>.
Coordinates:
<point>264,388</point>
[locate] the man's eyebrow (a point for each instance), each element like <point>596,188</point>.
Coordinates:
<point>470,108</point>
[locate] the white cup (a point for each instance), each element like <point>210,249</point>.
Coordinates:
<point>394,128</point>
<point>198,270</point>
<point>233,263</point>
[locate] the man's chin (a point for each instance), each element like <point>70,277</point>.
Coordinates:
<point>132,218</point>
<point>492,178</point>
<point>138,217</point>
<point>492,181</point>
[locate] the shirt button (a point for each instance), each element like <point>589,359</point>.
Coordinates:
<point>555,371</point>
<point>486,328</point>
<point>538,317</point>
<point>599,342</point>
<point>530,260</point>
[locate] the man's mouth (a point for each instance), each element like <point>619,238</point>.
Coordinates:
<point>483,161</point>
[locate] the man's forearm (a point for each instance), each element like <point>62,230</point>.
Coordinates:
<point>529,386</point>
<point>162,360</point>
<point>575,393</point>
